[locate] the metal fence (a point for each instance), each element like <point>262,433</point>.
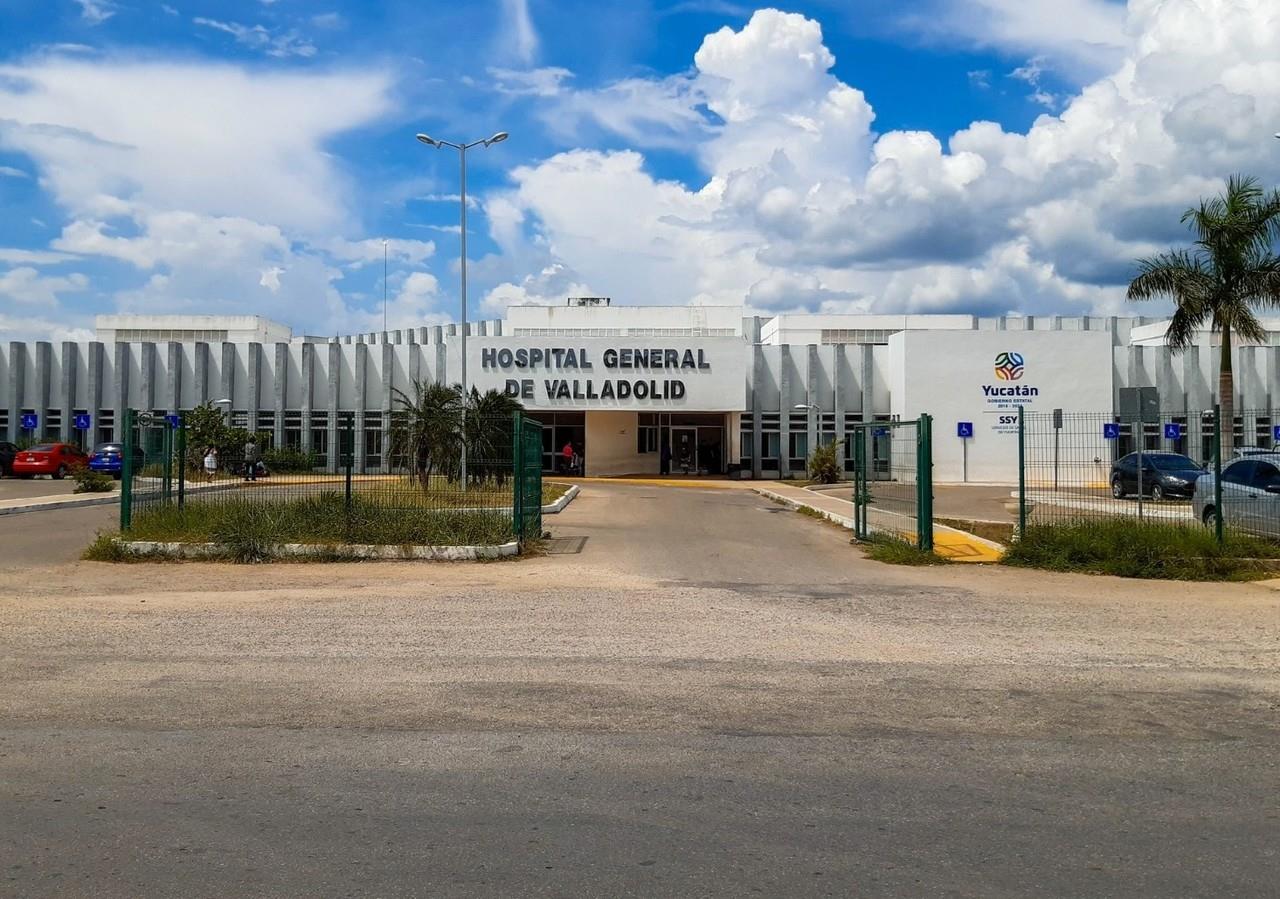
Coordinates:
<point>164,469</point>
<point>1161,467</point>
<point>893,480</point>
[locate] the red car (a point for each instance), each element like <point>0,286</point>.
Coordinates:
<point>56,459</point>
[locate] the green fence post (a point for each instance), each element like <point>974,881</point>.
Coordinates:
<point>517,476</point>
<point>126,473</point>
<point>166,450</point>
<point>924,483</point>
<point>182,464</point>
<point>1022,471</point>
<point>1219,528</point>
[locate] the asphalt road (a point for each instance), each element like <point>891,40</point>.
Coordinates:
<point>694,693</point>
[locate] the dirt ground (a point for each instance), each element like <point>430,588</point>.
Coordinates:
<point>670,697</point>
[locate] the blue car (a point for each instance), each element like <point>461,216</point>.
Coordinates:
<point>108,458</point>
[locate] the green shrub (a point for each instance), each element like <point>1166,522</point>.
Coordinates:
<point>826,466</point>
<point>1141,549</point>
<point>90,481</point>
<point>250,529</point>
<point>286,459</point>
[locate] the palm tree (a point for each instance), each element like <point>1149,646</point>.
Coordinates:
<point>1228,271</point>
<point>429,424</point>
<point>490,418</point>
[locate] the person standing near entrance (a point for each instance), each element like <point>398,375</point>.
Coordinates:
<point>210,463</point>
<point>665,456</point>
<point>566,457</point>
<point>251,457</point>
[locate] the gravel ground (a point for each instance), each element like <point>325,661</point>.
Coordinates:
<point>691,693</point>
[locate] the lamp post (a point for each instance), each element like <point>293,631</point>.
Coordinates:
<point>462,168</point>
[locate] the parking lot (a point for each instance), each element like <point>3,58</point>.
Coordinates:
<point>23,488</point>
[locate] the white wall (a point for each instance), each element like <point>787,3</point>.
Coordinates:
<point>943,374</point>
<point>611,446</point>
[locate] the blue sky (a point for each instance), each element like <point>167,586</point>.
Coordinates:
<point>936,156</point>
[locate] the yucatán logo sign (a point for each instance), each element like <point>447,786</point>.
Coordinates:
<point>1009,366</point>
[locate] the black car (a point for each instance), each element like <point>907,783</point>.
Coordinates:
<point>1164,475</point>
<point>7,453</point>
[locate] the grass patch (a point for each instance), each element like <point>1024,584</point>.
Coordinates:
<point>552,492</point>
<point>1140,549</point>
<point>249,528</point>
<point>999,531</point>
<point>896,551</point>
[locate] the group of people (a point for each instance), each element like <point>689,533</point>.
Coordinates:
<point>252,466</point>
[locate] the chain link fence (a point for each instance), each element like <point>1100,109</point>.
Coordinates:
<point>893,480</point>
<point>422,496</point>
<point>1160,468</point>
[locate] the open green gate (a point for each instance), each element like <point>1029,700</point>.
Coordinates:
<point>527,468</point>
<point>893,480</point>
<point>152,469</point>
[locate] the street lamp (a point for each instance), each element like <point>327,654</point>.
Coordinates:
<point>462,168</point>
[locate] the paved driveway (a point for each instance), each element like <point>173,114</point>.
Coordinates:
<point>695,693</point>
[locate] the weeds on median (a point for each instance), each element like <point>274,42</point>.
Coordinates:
<point>896,551</point>
<point>1141,549</point>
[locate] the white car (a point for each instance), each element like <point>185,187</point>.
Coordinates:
<point>1250,495</point>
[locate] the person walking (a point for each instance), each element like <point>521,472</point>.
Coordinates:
<point>210,463</point>
<point>251,457</point>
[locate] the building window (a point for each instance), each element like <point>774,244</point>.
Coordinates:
<point>798,448</point>
<point>373,446</point>
<point>875,336</point>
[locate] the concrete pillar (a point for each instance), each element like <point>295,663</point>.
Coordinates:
<point>811,395</point>
<point>17,387</point>
<point>44,373</point>
<point>174,378</point>
<point>93,372</point>
<point>838,365</point>
<point>868,397</point>
<point>335,366</point>
<point>308,376</point>
<point>200,370</point>
<point>388,381</point>
<point>148,385</point>
<point>784,417</point>
<point>120,387</point>
<point>362,375</point>
<point>228,372</point>
<point>757,409</point>
<point>253,364</point>
<point>279,390</point>
<point>67,394</point>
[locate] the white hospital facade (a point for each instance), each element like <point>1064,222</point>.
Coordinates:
<point>731,393</point>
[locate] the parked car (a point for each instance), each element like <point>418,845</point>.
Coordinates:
<point>1164,475</point>
<point>1250,495</point>
<point>7,453</point>
<point>55,459</point>
<point>108,458</point>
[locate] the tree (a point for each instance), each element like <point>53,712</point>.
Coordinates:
<point>1229,270</point>
<point>428,429</point>
<point>490,418</point>
<point>206,427</point>
<point>825,463</point>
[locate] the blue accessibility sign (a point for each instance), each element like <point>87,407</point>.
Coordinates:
<point>1275,433</point>
<point>964,429</point>
<point>1110,431</point>
<point>30,421</point>
<point>1172,431</point>
<point>83,421</point>
<point>880,432</point>
<point>174,421</point>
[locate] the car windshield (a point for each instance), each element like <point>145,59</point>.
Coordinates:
<point>1171,462</point>
<point>42,448</point>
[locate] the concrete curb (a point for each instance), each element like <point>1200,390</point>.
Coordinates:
<point>842,520</point>
<point>91,499</point>
<point>558,505</point>
<point>356,550</point>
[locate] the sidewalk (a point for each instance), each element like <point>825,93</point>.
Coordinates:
<point>45,503</point>
<point>949,543</point>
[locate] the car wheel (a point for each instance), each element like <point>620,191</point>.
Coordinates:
<point>60,473</point>
<point>1117,488</point>
<point>1210,517</point>
<point>1157,493</point>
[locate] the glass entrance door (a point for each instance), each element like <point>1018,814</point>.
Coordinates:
<point>684,450</point>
